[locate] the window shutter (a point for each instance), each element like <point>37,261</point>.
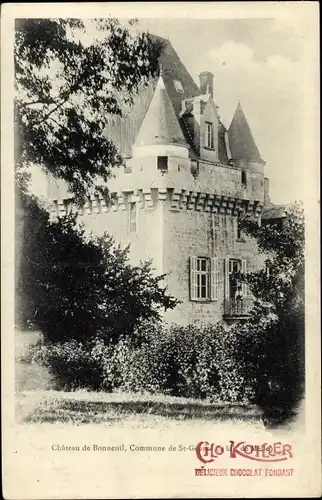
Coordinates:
<point>221,264</point>
<point>226,271</point>
<point>193,278</point>
<point>244,271</point>
<point>214,279</point>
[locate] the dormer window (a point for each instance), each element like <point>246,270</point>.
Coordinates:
<point>178,85</point>
<point>209,142</point>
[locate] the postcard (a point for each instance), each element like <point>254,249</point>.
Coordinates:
<point>160,250</point>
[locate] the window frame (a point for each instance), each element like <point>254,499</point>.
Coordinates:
<point>200,273</point>
<point>213,279</point>
<point>132,220</point>
<point>196,273</point>
<point>244,178</point>
<point>242,268</point>
<point>160,160</point>
<point>209,134</point>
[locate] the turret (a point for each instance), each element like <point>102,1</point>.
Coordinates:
<point>244,152</point>
<point>160,133</point>
<point>245,155</point>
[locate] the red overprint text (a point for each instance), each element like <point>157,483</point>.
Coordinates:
<point>266,452</point>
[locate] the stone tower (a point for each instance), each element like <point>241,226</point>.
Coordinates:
<point>178,200</point>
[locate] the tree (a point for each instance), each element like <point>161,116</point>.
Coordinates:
<point>272,342</point>
<point>66,86</point>
<point>77,286</point>
<point>69,285</point>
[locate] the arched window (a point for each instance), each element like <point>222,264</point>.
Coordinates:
<point>243,178</point>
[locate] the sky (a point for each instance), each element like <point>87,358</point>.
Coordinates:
<point>258,62</point>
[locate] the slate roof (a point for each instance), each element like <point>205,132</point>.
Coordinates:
<point>222,150</point>
<point>241,140</point>
<point>123,131</point>
<point>160,124</point>
<point>272,211</point>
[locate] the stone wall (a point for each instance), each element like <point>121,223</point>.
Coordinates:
<point>192,233</point>
<point>145,243</point>
<point>179,216</point>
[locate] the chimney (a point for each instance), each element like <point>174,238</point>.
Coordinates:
<point>206,84</point>
<point>267,199</point>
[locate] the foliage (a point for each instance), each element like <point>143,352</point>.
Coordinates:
<point>73,285</point>
<point>282,282</point>
<point>66,85</point>
<point>272,346</point>
<point>73,364</point>
<point>178,361</point>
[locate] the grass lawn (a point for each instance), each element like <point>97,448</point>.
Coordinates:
<point>86,407</point>
<point>38,402</point>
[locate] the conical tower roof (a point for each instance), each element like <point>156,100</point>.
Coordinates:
<point>160,124</point>
<point>241,140</point>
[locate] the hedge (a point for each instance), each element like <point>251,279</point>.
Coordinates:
<point>192,361</point>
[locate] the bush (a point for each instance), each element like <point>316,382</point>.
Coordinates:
<point>73,364</point>
<point>193,362</point>
<point>190,361</point>
<point>270,356</point>
<point>272,346</point>
<point>71,285</point>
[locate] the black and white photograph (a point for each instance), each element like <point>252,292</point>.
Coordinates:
<point>162,286</point>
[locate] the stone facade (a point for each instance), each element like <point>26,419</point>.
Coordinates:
<point>178,199</point>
